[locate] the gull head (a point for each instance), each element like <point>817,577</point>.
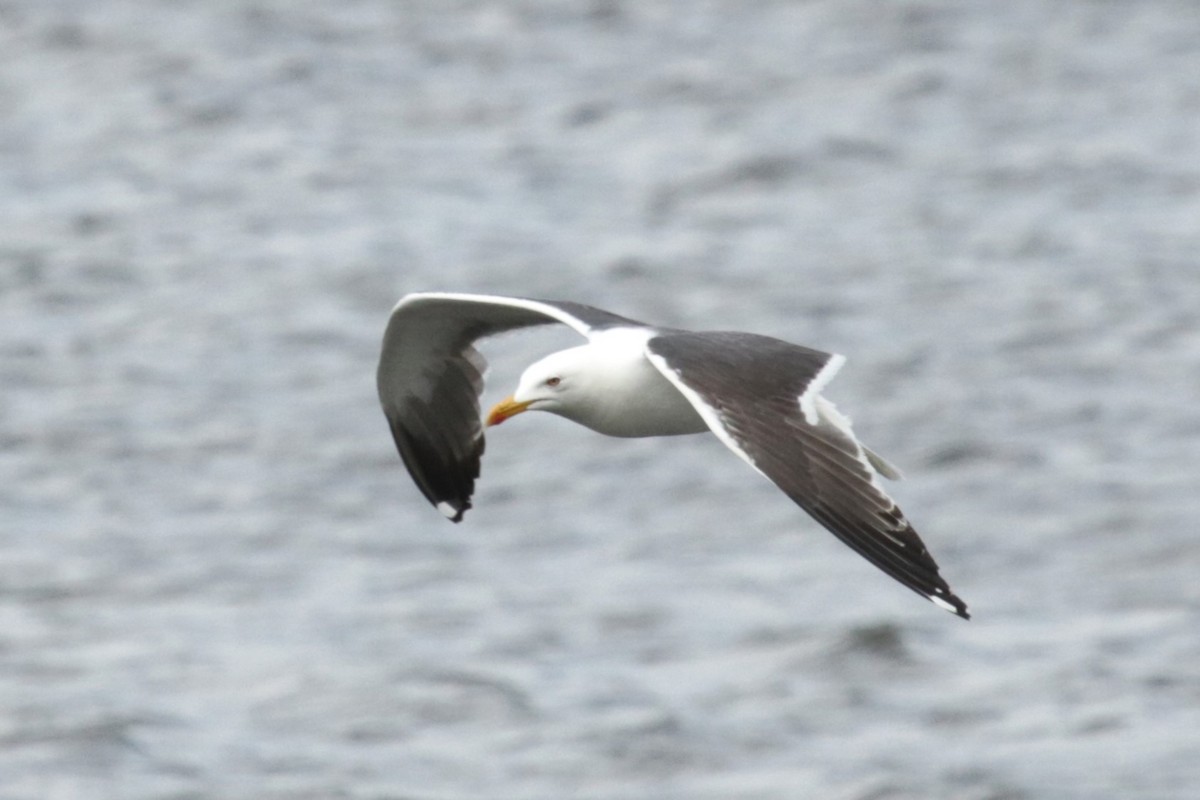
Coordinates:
<point>547,385</point>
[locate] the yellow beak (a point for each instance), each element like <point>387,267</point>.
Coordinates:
<point>504,409</point>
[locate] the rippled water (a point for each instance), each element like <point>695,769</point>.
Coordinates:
<point>217,581</point>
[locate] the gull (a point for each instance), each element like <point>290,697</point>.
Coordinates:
<point>760,396</point>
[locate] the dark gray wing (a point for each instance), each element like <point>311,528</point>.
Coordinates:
<point>430,377</point>
<point>761,397</point>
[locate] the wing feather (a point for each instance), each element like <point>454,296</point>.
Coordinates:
<point>754,391</point>
<point>430,378</point>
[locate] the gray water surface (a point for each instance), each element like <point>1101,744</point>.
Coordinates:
<point>216,580</point>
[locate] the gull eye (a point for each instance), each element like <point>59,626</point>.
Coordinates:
<point>555,381</point>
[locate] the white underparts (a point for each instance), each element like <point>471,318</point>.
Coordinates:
<point>609,386</point>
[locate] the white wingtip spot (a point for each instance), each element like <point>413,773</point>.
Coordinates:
<point>940,603</point>
<point>448,511</point>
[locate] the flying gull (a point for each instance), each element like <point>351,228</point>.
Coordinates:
<point>760,396</point>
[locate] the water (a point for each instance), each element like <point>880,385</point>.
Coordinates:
<point>217,581</point>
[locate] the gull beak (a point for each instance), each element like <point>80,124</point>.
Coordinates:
<point>506,408</point>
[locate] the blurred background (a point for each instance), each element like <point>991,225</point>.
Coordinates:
<point>217,581</point>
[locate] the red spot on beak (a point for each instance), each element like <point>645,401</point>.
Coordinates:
<point>504,409</point>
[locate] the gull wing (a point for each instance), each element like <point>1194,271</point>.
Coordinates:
<point>761,397</point>
<point>430,378</point>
